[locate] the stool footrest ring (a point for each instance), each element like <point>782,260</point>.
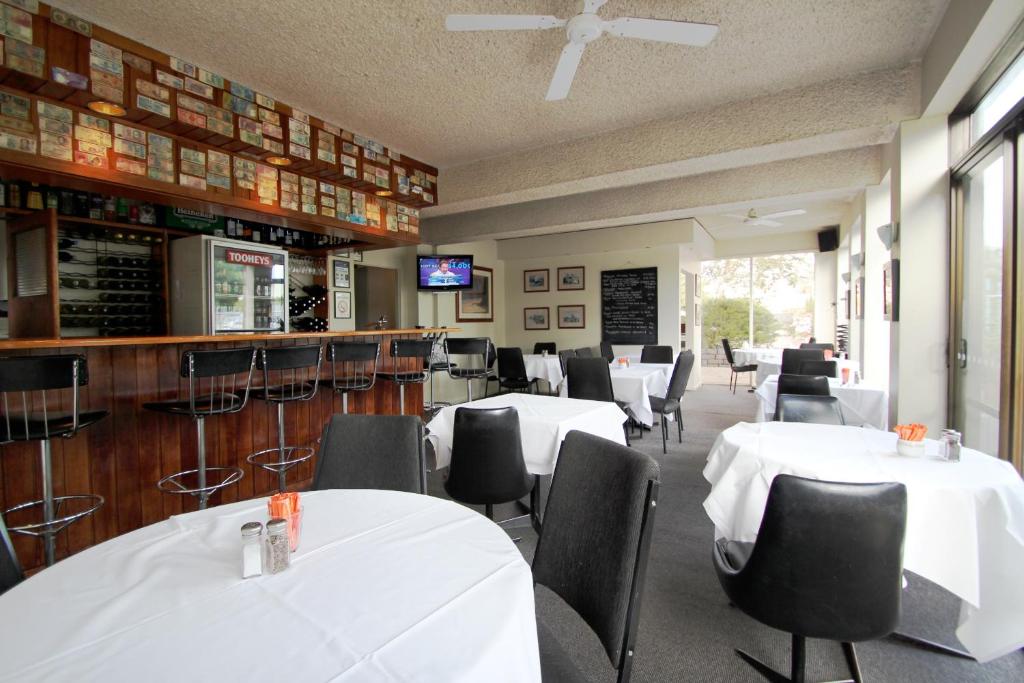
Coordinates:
<point>94,503</point>
<point>175,483</point>
<point>270,458</point>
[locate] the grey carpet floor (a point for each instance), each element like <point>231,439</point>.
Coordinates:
<point>687,629</point>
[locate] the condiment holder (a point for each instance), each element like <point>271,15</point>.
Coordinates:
<point>910,449</point>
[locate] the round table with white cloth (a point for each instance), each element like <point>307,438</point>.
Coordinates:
<point>965,520</point>
<point>384,586</point>
<point>544,422</point>
<point>862,405</point>
<point>547,368</point>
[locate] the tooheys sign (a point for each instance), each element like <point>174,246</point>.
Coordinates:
<point>248,258</point>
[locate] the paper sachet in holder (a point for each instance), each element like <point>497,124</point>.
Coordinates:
<point>288,506</point>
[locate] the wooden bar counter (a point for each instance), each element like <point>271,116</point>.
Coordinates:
<point>123,456</point>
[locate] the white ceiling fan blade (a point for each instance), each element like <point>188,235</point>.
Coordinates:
<point>591,6</point>
<point>737,216</point>
<point>679,32</point>
<point>783,214</point>
<point>766,223</point>
<point>565,71</point>
<point>500,22</point>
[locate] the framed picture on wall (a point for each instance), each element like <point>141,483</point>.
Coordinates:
<point>476,304</point>
<point>343,304</point>
<point>342,274</point>
<point>536,318</point>
<point>891,290</point>
<point>536,280</point>
<point>572,278</point>
<point>572,317</point>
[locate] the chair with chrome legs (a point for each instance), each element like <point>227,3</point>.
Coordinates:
<point>286,380</point>
<point>670,403</point>
<point>10,569</point>
<point>436,363</point>
<point>737,370</point>
<point>353,367</point>
<point>590,379</point>
<point>30,388</point>
<point>476,351</point>
<point>225,372</point>
<point>827,563</point>
<point>384,452</point>
<point>408,356</point>
<point>512,371</point>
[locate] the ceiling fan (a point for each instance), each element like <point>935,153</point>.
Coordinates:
<point>768,220</point>
<point>582,29</point>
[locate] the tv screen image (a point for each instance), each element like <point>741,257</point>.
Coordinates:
<point>445,272</point>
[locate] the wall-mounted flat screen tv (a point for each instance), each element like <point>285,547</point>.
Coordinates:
<point>444,273</point>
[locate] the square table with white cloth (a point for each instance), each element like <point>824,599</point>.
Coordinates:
<point>384,586</point>
<point>547,368</point>
<point>965,520</point>
<point>863,405</point>
<point>634,385</point>
<point>544,422</point>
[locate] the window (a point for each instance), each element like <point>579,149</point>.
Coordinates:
<point>1007,91</point>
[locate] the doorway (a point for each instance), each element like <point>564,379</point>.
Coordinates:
<point>376,295</point>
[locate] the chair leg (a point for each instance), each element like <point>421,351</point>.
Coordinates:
<point>664,435</point>
<point>344,402</point>
<point>625,430</point>
<point>46,474</point>
<point>401,399</point>
<point>469,390</point>
<point>852,663</point>
<point>489,511</point>
<point>732,381</point>
<point>679,423</point>
<point>204,496</point>
<point>281,448</point>
<point>797,658</point>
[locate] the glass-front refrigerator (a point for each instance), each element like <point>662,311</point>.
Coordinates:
<point>224,286</point>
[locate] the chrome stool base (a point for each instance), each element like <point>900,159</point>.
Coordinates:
<point>176,483</point>
<point>280,460</point>
<point>51,526</point>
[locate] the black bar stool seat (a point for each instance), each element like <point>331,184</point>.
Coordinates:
<point>417,349</point>
<point>28,384</point>
<point>210,404</point>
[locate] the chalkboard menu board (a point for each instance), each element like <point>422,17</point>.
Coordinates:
<point>629,306</point>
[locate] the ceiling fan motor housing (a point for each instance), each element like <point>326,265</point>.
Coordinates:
<point>584,28</point>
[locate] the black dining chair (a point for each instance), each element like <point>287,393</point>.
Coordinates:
<point>792,359</point>
<point>800,385</point>
<point>564,356</point>
<point>492,373</point>
<point>816,409</point>
<point>669,404</point>
<point>512,370</point>
<point>541,347</point>
<point>824,368</point>
<point>590,379</point>
<point>827,563</point>
<point>656,354</point>
<point>487,466</point>
<point>383,452</point>
<point>737,370</point>
<point>820,346</point>
<point>594,546</point>
<point>606,351</point>
<point>10,569</point>
<point>585,352</point>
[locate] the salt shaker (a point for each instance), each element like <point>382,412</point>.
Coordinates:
<point>278,552</point>
<point>951,445</point>
<point>252,550</point>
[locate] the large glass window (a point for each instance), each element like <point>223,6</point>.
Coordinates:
<point>1003,96</point>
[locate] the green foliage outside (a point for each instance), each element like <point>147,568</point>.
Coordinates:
<point>728,318</point>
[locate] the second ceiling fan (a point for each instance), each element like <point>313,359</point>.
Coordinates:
<point>582,29</point>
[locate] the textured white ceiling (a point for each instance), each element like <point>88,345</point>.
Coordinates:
<point>388,69</point>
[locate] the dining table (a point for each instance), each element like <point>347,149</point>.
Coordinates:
<point>633,384</point>
<point>545,367</point>
<point>384,585</point>
<point>544,422</point>
<point>862,404</point>
<point>965,519</point>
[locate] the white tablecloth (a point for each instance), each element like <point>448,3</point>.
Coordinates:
<point>634,385</point>
<point>547,368</point>
<point>863,406</point>
<point>544,422</point>
<point>748,356</point>
<point>965,521</point>
<point>767,368</point>
<point>384,586</point>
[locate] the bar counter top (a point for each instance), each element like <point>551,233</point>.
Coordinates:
<point>83,342</point>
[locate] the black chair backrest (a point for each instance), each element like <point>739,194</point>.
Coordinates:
<point>656,354</point>
<point>492,354</point>
<point>10,569</point>
<point>469,346</point>
<point>680,376</point>
<point>804,385</point>
<point>817,409</point>
<point>596,537</point>
<point>417,349</point>
<point>281,366</point>
<point>828,561</point>
<point>31,386</point>
<point>727,347</point>
<point>589,379</point>
<point>541,347</point>
<point>607,352</point>
<point>822,346</point>
<point>487,457</point>
<point>585,352</point>
<point>353,364</point>
<point>511,364</point>
<point>372,452</point>
<point>824,368</point>
<point>792,359</point>
<point>565,355</point>
<point>228,375</point>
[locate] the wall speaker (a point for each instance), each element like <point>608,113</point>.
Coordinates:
<point>828,239</point>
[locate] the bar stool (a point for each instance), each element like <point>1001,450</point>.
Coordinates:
<point>433,367</point>
<point>36,383</point>
<point>221,398</point>
<point>289,386</point>
<point>468,346</point>
<point>358,364</point>
<point>417,349</point>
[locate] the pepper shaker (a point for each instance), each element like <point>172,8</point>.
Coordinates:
<point>951,445</point>
<point>278,552</point>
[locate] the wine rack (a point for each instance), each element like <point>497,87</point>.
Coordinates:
<point>307,293</point>
<point>111,281</point>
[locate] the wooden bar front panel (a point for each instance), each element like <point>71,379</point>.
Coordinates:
<point>123,456</point>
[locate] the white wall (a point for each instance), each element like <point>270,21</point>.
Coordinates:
<point>825,299</point>
<point>875,361</point>
<point>401,259</point>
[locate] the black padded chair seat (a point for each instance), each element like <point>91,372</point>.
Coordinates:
<point>735,553</point>
<point>354,383</point>
<point>474,373</point>
<point>556,666</point>
<point>751,367</point>
<point>662,405</point>
<point>211,404</point>
<point>38,428</point>
<point>286,392</point>
<point>440,366</point>
<point>508,383</point>
<point>404,377</point>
